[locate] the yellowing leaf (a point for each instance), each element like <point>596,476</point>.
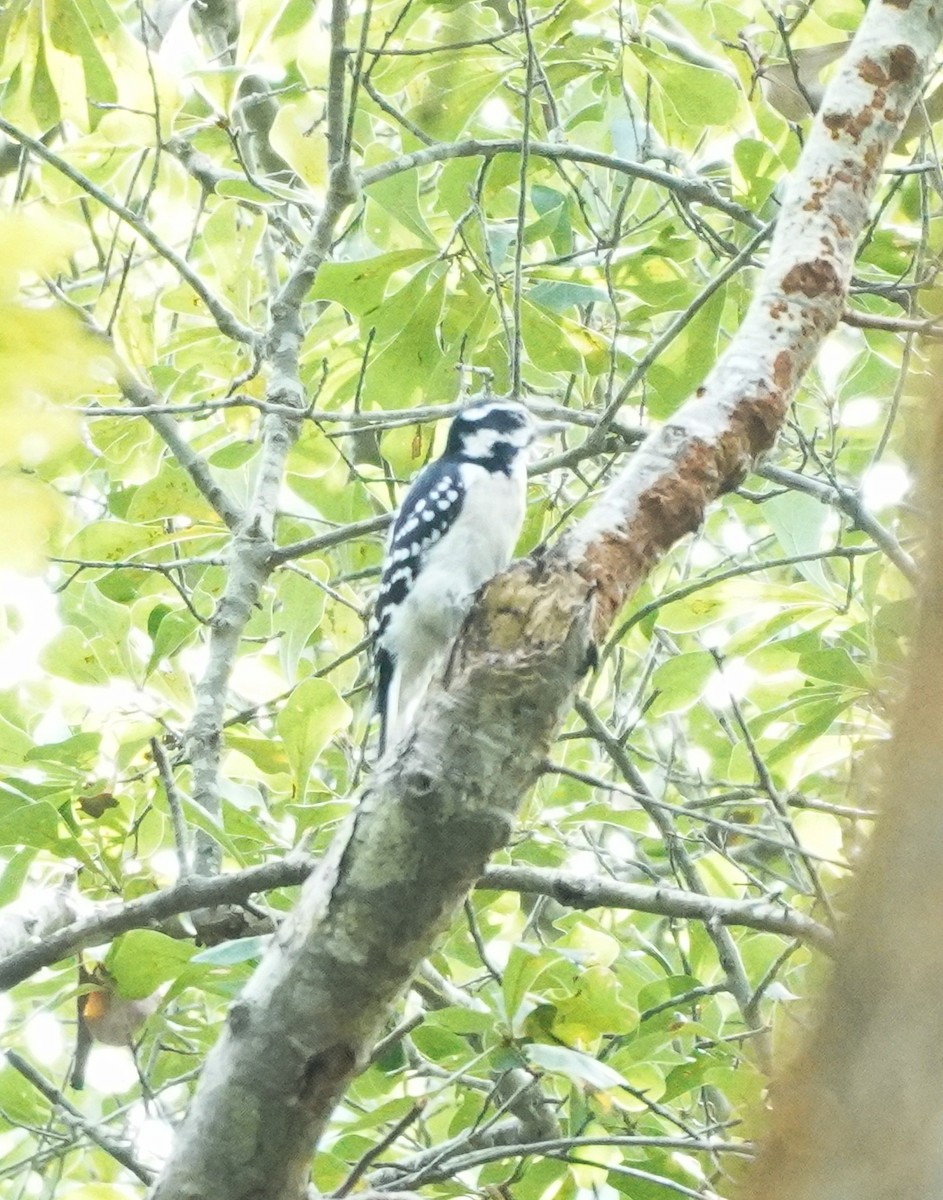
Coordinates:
<point>112,541</point>
<point>295,136</point>
<point>35,243</point>
<point>37,512</point>
<point>32,431</point>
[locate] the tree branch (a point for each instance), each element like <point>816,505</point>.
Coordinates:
<point>850,503</point>
<point>727,952</point>
<point>36,950</point>
<point>226,321</point>
<point>478,1157</point>
<point>72,1116</point>
<point>599,891</point>
<point>251,560</point>
<point>33,941</point>
<point>193,463</point>
<point>691,191</point>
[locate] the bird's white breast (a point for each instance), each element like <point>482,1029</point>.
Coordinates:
<point>478,546</point>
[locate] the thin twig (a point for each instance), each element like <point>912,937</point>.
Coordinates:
<point>377,1149</point>
<point>697,191</point>
<point>72,1116</point>
<point>517,347</point>
<point>226,321</point>
<point>727,952</point>
<point>181,837</point>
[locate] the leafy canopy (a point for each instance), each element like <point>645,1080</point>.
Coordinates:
<point>723,744</point>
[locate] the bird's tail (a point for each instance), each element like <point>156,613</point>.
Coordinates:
<point>387,695</point>
<point>399,694</point>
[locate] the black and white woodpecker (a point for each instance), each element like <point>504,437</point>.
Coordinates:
<point>456,528</point>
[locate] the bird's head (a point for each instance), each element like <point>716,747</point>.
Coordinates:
<point>496,431</point>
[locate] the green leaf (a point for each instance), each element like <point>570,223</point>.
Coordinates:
<point>79,752</point>
<point>360,285</point>
<point>398,196</point>
<point>686,362</point>
<point>140,961</point>
<point>169,632</point>
<point>595,1007</point>
<point>696,96</point>
<point>817,719</point>
<point>20,1102</point>
<point>800,523</point>
<point>27,822</point>
<point>439,1045</point>
<point>313,714</point>
<point>301,604</point>
<point>112,540</point>
<point>524,966</point>
<point>44,98</point>
<point>834,666</point>
<point>69,33</point>
<point>398,375</point>
<point>680,682</point>
<point>658,280</point>
<point>759,170</point>
<point>555,343</point>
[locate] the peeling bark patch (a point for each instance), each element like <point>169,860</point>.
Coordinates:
<point>754,425</point>
<point>872,72</point>
<point>902,67</point>
<point>852,124</point>
<point>903,5</point>
<point>615,566</point>
<point>674,505</point>
<point>813,279</point>
<point>734,464</point>
<point>782,371</point>
<point>617,561</point>
<point>902,64</point>
<point>836,123</point>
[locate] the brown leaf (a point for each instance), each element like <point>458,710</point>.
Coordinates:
<point>96,806</point>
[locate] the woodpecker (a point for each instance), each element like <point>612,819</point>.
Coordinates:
<point>456,528</point>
